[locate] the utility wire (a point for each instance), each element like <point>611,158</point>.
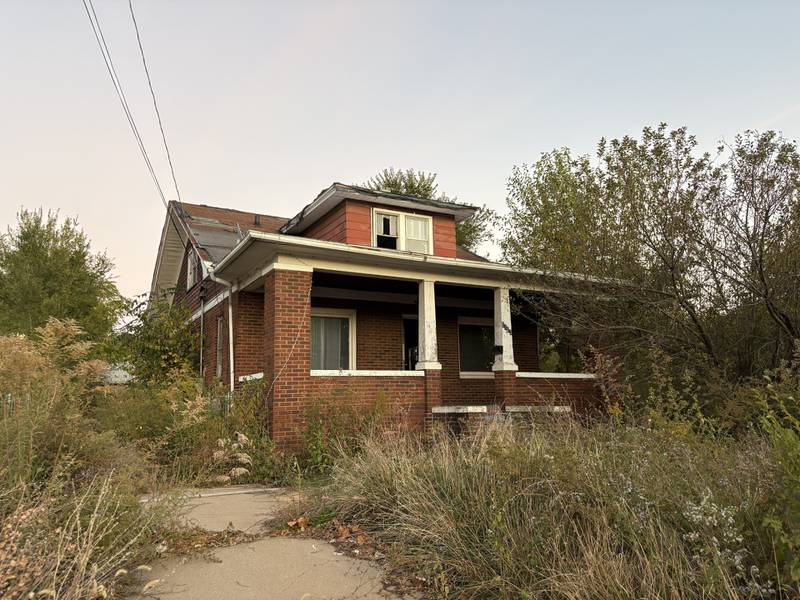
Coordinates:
<point>112,72</point>
<point>155,104</point>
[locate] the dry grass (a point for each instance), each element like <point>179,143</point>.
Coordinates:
<point>559,510</point>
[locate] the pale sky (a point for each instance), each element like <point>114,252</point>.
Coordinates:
<point>266,103</point>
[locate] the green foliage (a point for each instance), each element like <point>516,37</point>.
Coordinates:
<point>470,233</point>
<point>335,426</point>
<point>697,254</point>
<point>48,270</point>
<point>159,339</point>
<point>408,182</point>
<point>783,518</point>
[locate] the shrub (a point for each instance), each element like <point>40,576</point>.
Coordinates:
<point>68,491</point>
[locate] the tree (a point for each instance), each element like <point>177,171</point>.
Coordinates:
<point>158,341</point>
<point>469,233</point>
<point>697,255</point>
<point>48,270</point>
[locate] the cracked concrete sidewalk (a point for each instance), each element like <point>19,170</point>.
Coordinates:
<point>267,569</point>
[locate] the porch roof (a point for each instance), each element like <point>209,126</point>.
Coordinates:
<point>258,252</point>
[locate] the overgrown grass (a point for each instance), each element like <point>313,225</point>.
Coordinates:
<point>562,510</point>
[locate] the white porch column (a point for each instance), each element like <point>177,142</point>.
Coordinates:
<point>502,331</point>
<point>428,358</point>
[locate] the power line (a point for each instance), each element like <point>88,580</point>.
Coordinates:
<point>112,72</point>
<point>155,104</point>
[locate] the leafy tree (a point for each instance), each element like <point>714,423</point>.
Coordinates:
<point>48,270</point>
<point>469,233</point>
<point>158,341</point>
<point>697,254</point>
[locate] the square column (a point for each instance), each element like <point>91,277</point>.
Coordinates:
<point>504,366</point>
<point>504,359</point>
<point>428,357</point>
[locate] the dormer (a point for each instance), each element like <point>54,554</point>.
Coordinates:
<point>364,217</point>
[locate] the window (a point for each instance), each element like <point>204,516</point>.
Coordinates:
<point>400,231</point>
<point>386,231</point>
<point>332,340</point>
<point>219,348</point>
<point>475,345</point>
<point>417,234</point>
<point>191,270</point>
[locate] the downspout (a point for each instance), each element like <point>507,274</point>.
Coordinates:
<point>202,326</point>
<point>229,285</point>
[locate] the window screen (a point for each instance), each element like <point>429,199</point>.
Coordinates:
<point>330,343</point>
<point>476,347</point>
<point>416,234</point>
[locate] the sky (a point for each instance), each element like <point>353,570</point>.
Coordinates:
<point>266,103</point>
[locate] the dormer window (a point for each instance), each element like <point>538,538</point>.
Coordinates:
<point>402,231</point>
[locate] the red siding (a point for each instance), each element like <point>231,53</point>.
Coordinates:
<point>351,223</point>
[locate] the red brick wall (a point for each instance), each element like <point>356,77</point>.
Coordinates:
<point>580,394</point>
<point>351,222</point>
<point>287,333</point>
<point>248,319</point>
<point>210,344</point>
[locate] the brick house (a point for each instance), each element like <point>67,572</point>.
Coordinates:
<point>364,294</point>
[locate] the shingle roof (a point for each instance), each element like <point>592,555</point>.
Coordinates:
<point>217,230</point>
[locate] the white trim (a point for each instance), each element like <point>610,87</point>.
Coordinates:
<point>251,377</point>
<point>401,228</point>
<point>351,316</point>
<point>209,304</point>
<point>538,408</point>
<point>476,375</point>
<point>537,375</point>
<point>459,409</point>
<point>364,373</point>
<point>473,272</point>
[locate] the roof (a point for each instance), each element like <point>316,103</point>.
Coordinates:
<point>217,230</point>
<point>331,196</point>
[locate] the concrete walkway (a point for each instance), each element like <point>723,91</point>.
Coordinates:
<point>266,569</point>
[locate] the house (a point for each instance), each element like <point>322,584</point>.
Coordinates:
<point>362,293</point>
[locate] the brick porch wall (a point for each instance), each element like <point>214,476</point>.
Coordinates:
<point>287,360</point>
<point>580,394</point>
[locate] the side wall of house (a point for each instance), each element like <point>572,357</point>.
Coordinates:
<point>351,223</point>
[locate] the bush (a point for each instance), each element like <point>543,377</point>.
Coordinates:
<point>68,490</point>
<point>567,511</point>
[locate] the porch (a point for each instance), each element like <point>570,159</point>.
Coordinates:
<point>429,349</point>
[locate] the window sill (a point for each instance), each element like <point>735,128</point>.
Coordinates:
<point>459,410</point>
<point>476,375</point>
<point>364,373</point>
<point>539,408</point>
<point>537,375</point>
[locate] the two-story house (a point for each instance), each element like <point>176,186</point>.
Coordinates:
<point>361,293</point>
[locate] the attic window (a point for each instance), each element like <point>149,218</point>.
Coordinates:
<point>386,231</point>
<point>401,231</point>
<point>191,270</point>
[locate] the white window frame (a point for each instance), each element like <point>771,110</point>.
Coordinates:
<point>485,321</point>
<point>401,227</point>
<point>339,313</point>
<point>192,278</point>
